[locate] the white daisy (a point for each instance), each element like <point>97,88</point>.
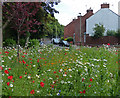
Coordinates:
<point>64,75</point>
<point>29,77</point>
<point>11,85</point>
<point>34,65</point>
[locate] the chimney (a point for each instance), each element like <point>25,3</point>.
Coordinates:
<point>89,10</point>
<point>78,17</point>
<point>104,5</point>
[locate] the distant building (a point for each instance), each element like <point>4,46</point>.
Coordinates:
<point>104,16</point>
<point>119,8</point>
<point>73,28</point>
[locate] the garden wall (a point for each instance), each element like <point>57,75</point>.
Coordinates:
<point>103,40</point>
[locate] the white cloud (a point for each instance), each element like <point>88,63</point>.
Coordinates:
<point>69,9</point>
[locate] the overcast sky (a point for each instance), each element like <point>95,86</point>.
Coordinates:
<point>69,9</point>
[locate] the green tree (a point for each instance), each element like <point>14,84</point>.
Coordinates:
<point>98,30</point>
<point>117,34</point>
<point>110,32</point>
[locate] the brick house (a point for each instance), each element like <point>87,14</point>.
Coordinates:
<point>74,27</point>
<point>86,24</point>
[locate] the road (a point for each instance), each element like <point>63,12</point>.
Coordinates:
<point>49,43</point>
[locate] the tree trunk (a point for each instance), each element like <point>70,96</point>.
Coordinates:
<point>1,38</point>
<point>18,46</point>
<point>27,40</point>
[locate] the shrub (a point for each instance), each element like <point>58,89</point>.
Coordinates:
<point>117,34</point>
<point>9,42</point>
<point>62,38</point>
<point>69,39</point>
<point>111,33</point>
<point>98,30</point>
<point>22,42</point>
<point>34,43</point>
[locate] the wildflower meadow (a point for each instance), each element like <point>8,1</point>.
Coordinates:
<point>54,71</point>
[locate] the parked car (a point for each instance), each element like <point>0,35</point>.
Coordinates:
<point>55,40</point>
<point>64,43</point>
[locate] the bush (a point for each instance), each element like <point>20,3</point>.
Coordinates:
<point>69,39</point>
<point>22,42</point>
<point>62,38</point>
<point>34,43</point>
<point>118,33</point>
<point>98,30</point>
<point>111,33</point>
<point>9,42</point>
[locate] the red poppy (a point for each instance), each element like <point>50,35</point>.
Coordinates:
<point>6,71</point>
<point>54,71</point>
<point>20,77</point>
<point>25,72</point>
<point>6,52</point>
<point>8,83</point>
<point>52,86</point>
<point>84,92</point>
<point>65,72</point>
<point>26,64</point>
<point>20,62</point>
<point>23,61</point>
<point>24,53</point>
<point>1,68</point>
<point>31,62</point>
<point>32,92</point>
<point>54,82</point>
<point>13,80</point>
<point>80,92</point>
<point>30,59</point>
<point>43,79</point>
<point>23,56</point>
<point>33,81</point>
<point>83,79</point>
<point>0,52</point>
<point>108,44</point>
<point>116,53</point>
<point>9,69</point>
<point>38,60</point>
<point>41,84</point>
<point>45,62</point>
<point>90,79</point>
<point>65,53</point>
<point>10,77</point>
<point>89,85</point>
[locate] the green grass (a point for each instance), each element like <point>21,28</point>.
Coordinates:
<point>61,71</point>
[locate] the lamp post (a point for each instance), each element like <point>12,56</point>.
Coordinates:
<point>80,30</point>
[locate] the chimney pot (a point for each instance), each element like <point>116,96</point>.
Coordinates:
<point>104,5</point>
<point>90,10</point>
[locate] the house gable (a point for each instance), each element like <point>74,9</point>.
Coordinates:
<point>103,16</point>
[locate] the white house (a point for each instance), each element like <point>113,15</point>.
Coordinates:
<point>105,16</point>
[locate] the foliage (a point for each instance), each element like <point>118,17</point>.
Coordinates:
<point>36,18</point>
<point>9,43</point>
<point>62,38</point>
<point>118,33</point>
<point>22,42</point>
<point>50,71</point>
<point>98,30</point>
<point>69,39</point>
<point>111,33</point>
<point>53,28</point>
<point>34,43</point>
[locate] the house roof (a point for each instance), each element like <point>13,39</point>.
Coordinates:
<point>105,8</point>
